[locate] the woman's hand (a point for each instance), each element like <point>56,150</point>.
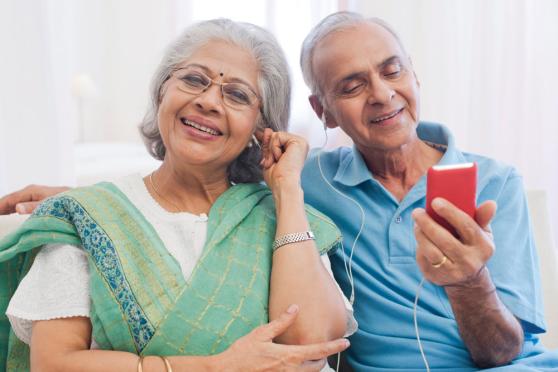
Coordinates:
<point>257,352</point>
<point>283,157</point>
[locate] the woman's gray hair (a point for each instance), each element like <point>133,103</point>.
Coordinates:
<point>333,23</point>
<point>273,82</point>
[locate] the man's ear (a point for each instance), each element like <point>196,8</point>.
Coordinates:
<point>414,73</point>
<point>321,112</point>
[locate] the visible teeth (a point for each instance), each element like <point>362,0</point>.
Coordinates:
<point>200,127</point>
<point>386,117</point>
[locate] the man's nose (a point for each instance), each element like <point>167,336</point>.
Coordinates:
<point>380,92</point>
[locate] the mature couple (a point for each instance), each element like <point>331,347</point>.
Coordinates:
<point>197,266</point>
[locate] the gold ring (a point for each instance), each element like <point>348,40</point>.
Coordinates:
<point>437,265</point>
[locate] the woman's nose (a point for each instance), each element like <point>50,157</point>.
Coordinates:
<point>211,99</point>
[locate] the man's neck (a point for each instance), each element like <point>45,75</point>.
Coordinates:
<point>398,170</point>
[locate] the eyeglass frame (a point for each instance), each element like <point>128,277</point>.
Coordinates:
<point>211,82</point>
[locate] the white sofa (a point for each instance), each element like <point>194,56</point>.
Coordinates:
<point>548,258</point>
<point>548,255</point>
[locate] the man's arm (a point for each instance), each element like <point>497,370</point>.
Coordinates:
<point>491,333</point>
<point>25,201</point>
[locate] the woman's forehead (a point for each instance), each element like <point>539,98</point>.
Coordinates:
<point>220,57</point>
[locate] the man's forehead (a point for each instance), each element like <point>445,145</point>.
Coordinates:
<point>366,43</point>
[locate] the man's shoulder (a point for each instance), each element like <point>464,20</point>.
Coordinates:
<point>492,170</point>
<point>321,168</point>
<point>327,159</point>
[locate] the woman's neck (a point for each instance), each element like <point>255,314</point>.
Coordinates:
<point>400,169</point>
<point>186,189</point>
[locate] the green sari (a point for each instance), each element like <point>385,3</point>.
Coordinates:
<point>140,301</point>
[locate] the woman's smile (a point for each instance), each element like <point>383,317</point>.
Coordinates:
<point>200,128</point>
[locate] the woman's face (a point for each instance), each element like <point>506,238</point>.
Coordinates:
<point>210,126</point>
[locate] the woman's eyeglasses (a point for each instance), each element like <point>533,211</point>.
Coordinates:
<point>235,95</point>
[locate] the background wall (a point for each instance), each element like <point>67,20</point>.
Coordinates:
<point>75,78</point>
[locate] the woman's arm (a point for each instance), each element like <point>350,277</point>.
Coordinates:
<point>298,275</point>
<point>63,345</point>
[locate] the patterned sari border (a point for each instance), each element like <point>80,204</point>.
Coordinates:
<point>101,248</point>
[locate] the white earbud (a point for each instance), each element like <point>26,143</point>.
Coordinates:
<point>254,140</point>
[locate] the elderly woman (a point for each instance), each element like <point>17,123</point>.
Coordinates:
<point>181,269</point>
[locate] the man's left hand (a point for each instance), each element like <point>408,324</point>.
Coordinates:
<point>446,260</point>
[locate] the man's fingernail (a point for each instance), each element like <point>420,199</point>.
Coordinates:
<point>20,209</point>
<point>347,343</point>
<point>292,309</point>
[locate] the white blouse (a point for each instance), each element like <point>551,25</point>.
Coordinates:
<point>57,284</point>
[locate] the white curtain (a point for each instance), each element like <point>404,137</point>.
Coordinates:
<point>35,143</point>
<point>488,70</point>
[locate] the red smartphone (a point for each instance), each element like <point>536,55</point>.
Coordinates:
<point>456,183</point>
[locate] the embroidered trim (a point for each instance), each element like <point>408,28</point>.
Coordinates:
<point>99,245</point>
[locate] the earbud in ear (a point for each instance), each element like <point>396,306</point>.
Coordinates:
<point>255,140</point>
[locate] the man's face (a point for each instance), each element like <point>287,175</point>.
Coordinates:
<point>368,87</point>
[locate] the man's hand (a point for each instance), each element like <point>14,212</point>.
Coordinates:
<point>257,352</point>
<point>490,331</point>
<point>446,260</point>
<point>25,201</point>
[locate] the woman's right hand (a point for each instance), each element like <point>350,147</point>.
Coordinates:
<point>283,157</point>
<point>25,201</point>
<point>257,352</point>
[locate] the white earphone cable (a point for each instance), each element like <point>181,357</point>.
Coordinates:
<point>348,266</point>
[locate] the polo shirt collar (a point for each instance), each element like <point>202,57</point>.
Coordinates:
<point>353,170</point>
<point>440,137</point>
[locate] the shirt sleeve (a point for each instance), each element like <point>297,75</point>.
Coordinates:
<point>352,324</point>
<point>514,267</point>
<point>56,286</point>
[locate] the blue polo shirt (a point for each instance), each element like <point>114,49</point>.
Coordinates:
<point>385,272</point>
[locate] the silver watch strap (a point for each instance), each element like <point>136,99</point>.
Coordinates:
<point>292,238</point>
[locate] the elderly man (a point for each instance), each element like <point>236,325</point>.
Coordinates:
<point>481,304</point>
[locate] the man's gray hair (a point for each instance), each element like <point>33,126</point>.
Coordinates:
<point>333,23</point>
<point>273,82</point>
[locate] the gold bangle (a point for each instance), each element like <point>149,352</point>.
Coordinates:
<point>167,363</point>
<point>140,364</point>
